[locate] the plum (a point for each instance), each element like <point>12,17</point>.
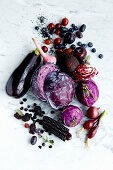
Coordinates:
<point>59,89</point>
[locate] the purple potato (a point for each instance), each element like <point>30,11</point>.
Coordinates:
<point>59,89</point>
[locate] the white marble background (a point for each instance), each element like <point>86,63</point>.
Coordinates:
<point>17,20</point>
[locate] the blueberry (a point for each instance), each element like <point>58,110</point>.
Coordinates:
<point>37,28</point>
<point>93,50</point>
<point>62,34</point>
<point>71,30</point>
<point>84,45</point>
<point>100,56</point>
<point>63,29</point>
<point>64,43</point>
<point>90,44</point>
<point>56,46</point>
<point>73,47</point>
<point>79,43</point>
<point>75,28</point>
<point>73,25</point>
<point>52,31</point>
<point>60,46</point>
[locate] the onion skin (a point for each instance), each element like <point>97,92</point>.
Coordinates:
<point>92,112</point>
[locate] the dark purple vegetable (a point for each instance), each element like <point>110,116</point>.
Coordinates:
<point>59,89</point>
<point>67,62</point>
<point>56,128</point>
<point>38,78</point>
<point>87,92</point>
<point>19,82</point>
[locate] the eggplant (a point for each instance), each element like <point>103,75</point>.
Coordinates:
<point>19,82</point>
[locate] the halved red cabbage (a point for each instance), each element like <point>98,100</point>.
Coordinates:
<point>37,81</point>
<point>59,89</point>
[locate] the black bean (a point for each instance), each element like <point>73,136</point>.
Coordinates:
<point>40,147</point>
<point>33,140</point>
<point>24,99</point>
<point>50,146</point>
<point>82,28</point>
<point>79,34</point>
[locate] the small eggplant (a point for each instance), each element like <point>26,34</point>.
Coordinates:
<point>19,82</point>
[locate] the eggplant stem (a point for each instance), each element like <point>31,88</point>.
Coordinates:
<point>80,131</point>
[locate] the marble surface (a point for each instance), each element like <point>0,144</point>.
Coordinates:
<point>17,21</point>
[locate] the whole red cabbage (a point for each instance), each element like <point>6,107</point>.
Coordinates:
<point>87,92</point>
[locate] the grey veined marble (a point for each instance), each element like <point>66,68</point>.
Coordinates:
<point>17,21</point>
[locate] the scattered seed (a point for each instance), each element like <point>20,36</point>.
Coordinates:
<point>43,144</point>
<point>21,108</point>
<point>50,146</point>
<point>40,147</point>
<point>21,102</point>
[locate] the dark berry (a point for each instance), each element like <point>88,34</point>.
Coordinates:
<point>32,128</point>
<point>40,147</point>
<point>73,47</point>
<point>50,146</point>
<point>64,43</point>
<point>93,50</point>
<point>69,38</point>
<point>26,109</point>
<point>84,45</point>
<point>90,44</point>
<point>57,41</point>
<point>43,144</point>
<point>65,21</point>
<point>60,46</point>
<point>24,99</point>
<point>37,28</point>
<point>33,140</point>
<point>63,29</point>
<point>52,112</point>
<point>21,108</point>
<point>26,117</point>
<point>73,25</point>
<point>57,26</point>
<point>47,41</point>
<point>45,49</point>
<point>21,102</point>
<point>79,43</point>
<point>56,46</point>
<point>75,28</point>
<point>28,106</point>
<point>100,56</point>
<point>51,25</point>
<point>52,31</point>
<point>82,28</point>
<point>42,131</point>
<point>49,133</point>
<point>79,34</point>
<point>70,30</point>
<point>62,35</point>
<point>17,116</point>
